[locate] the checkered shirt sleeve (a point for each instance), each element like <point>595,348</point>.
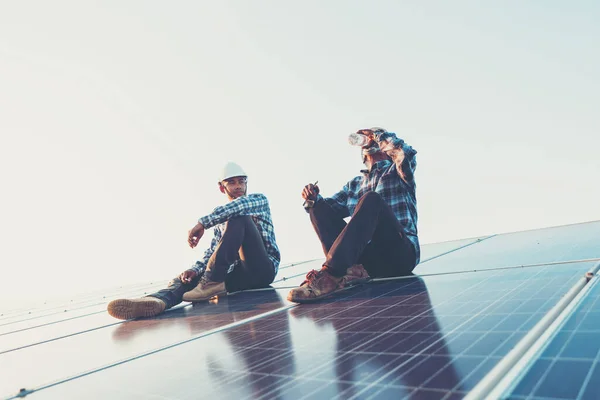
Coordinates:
<point>255,205</point>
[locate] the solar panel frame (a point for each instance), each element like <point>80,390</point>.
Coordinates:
<point>571,353</point>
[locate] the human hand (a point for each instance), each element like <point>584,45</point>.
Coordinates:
<point>310,191</point>
<point>368,133</point>
<point>188,275</point>
<point>195,234</point>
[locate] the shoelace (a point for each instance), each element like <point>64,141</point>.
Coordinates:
<point>312,276</point>
<point>203,279</point>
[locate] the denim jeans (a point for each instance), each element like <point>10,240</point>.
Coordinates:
<point>373,237</point>
<point>241,244</point>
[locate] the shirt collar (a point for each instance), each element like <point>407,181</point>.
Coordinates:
<point>377,166</point>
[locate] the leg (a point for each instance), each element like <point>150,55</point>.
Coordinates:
<point>375,237</point>
<point>151,305</point>
<point>388,254</point>
<point>255,269</point>
<point>173,294</point>
<point>326,223</point>
<point>372,236</point>
<point>228,249</point>
<point>241,244</point>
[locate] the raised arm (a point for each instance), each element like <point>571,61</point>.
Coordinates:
<point>251,204</point>
<point>401,154</point>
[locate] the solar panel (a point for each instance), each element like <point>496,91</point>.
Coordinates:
<point>433,337</point>
<point>13,310</point>
<point>434,250</point>
<point>429,337</point>
<point>65,311</point>
<point>294,274</point>
<point>81,307</point>
<point>569,366</point>
<point>559,244</point>
<point>103,341</point>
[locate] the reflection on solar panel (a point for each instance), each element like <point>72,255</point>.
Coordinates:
<point>431,336</point>
<point>572,355</point>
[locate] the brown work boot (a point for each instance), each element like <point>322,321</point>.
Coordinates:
<point>355,275</point>
<point>318,285</point>
<point>135,308</point>
<point>205,290</point>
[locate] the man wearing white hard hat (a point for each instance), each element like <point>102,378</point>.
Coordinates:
<point>380,239</point>
<point>243,253</point>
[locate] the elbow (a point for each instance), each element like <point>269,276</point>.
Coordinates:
<point>260,197</point>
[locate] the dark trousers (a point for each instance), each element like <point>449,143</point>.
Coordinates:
<point>240,241</point>
<point>373,238</point>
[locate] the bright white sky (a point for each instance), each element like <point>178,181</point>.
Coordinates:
<point>115,117</point>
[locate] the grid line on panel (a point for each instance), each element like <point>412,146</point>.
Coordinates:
<point>540,265</point>
<point>458,248</point>
<point>51,314</point>
<point>508,372</point>
<point>554,360</point>
<point>522,284</point>
<point>298,263</point>
<point>588,378</point>
<point>318,369</point>
<point>59,338</point>
<point>148,353</point>
<point>341,310</point>
<point>77,298</point>
<point>100,295</point>
<point>51,323</point>
<point>539,289</point>
<point>100,298</point>
<point>68,306</point>
<point>364,364</point>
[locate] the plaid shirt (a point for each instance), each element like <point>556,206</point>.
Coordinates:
<point>257,206</point>
<point>394,181</point>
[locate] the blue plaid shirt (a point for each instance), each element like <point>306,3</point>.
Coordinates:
<point>394,181</point>
<point>255,205</point>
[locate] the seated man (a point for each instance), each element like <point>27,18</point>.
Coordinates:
<point>243,253</point>
<point>380,240</point>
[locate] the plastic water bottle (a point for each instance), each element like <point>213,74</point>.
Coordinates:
<point>356,139</point>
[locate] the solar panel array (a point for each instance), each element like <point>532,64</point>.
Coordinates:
<point>572,355</point>
<point>432,336</point>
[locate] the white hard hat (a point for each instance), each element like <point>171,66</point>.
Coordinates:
<point>230,170</point>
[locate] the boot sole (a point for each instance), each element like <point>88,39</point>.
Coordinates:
<point>355,282</point>
<point>127,309</point>
<point>312,299</point>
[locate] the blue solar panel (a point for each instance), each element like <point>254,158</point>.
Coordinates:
<point>569,366</point>
<point>434,250</point>
<point>433,337</point>
<point>559,244</point>
<point>78,307</point>
<point>294,274</point>
<point>100,340</point>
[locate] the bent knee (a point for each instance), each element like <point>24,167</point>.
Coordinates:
<point>239,220</point>
<point>371,197</point>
